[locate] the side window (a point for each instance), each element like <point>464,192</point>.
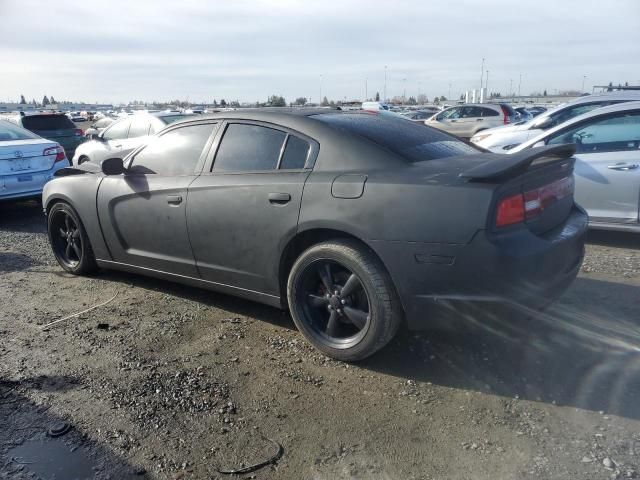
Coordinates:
<point>117,131</point>
<point>569,113</point>
<point>247,147</point>
<point>489,112</point>
<point>295,153</point>
<point>139,127</point>
<point>613,134</point>
<point>175,153</point>
<point>471,112</point>
<point>450,114</point>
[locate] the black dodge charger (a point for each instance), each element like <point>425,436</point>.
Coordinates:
<point>354,221</point>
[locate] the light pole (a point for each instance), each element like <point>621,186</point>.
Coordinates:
<point>449,97</point>
<point>366,90</point>
<point>519,84</point>
<point>511,88</point>
<point>404,90</point>
<point>320,101</point>
<point>584,77</point>
<point>384,94</point>
<point>481,73</point>
<point>486,83</point>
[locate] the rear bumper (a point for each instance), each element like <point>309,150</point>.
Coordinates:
<point>518,269</point>
<point>27,184</point>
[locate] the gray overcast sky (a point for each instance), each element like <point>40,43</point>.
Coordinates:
<point>120,50</point>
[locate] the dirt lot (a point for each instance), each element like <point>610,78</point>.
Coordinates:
<point>172,382</point>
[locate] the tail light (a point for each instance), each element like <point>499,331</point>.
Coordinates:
<point>57,151</point>
<point>505,114</point>
<point>78,132</point>
<point>530,204</point>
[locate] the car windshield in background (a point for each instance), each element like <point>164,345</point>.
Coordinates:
<point>412,141</point>
<point>9,132</point>
<point>174,118</point>
<point>47,122</point>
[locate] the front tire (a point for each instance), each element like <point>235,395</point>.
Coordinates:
<point>342,300</point>
<point>69,240</point>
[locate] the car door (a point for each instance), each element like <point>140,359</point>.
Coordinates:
<point>607,169</point>
<point>243,211</point>
<point>142,212</point>
<point>466,124</point>
<point>449,120</point>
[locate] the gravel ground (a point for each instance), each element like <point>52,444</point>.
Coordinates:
<point>170,382</point>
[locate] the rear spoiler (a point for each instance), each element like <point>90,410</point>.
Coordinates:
<point>504,166</point>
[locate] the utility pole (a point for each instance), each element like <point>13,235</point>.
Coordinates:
<point>481,73</point>
<point>384,96</point>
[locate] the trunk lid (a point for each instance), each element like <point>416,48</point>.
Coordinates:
<point>25,156</point>
<point>537,187</point>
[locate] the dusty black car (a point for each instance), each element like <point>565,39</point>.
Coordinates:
<point>355,221</point>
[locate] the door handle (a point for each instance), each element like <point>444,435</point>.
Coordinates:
<point>279,198</point>
<point>623,166</point>
<point>479,119</point>
<point>117,146</point>
<point>452,121</point>
<point>174,199</point>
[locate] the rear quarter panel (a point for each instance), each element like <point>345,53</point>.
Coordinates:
<point>79,191</point>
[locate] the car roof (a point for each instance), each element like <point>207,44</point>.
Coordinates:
<point>596,112</point>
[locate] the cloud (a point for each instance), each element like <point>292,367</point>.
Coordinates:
<point>124,50</point>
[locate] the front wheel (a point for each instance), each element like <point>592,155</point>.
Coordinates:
<point>342,300</point>
<point>69,240</point>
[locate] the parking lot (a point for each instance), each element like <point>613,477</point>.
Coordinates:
<point>167,381</point>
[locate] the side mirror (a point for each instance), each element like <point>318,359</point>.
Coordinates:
<point>95,136</point>
<point>112,166</point>
<point>543,123</point>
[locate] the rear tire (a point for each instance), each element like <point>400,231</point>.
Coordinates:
<point>342,300</point>
<point>69,240</point>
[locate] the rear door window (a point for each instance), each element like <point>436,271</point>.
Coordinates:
<point>295,153</point>
<point>9,131</point>
<point>139,127</point>
<point>47,122</point>
<point>117,131</point>
<point>245,147</point>
<point>488,112</point>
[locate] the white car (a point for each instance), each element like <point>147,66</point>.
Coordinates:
<point>503,139</point>
<point>27,162</point>
<point>607,163</point>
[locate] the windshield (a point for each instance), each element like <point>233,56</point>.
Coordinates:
<point>413,142</point>
<point>9,131</point>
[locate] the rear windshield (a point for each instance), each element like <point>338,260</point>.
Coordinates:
<point>410,140</point>
<point>47,122</point>
<point>9,131</point>
<point>174,118</point>
<point>510,111</point>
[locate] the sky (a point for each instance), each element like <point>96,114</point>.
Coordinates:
<point>122,50</point>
